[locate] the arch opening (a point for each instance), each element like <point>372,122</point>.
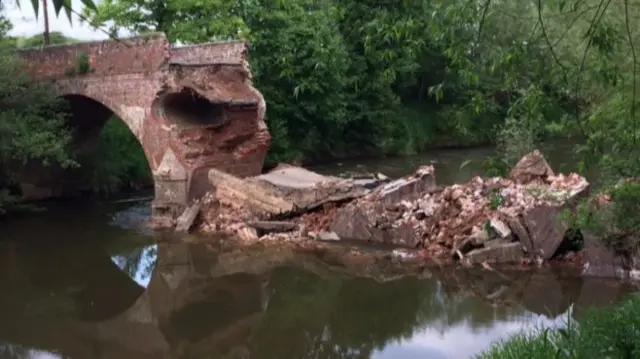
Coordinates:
<point>189,109</point>
<point>111,159</point>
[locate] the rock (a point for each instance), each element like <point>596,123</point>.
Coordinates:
<point>408,188</point>
<point>272,226</point>
<point>286,190</point>
<point>185,221</point>
<point>255,197</point>
<point>545,229</point>
<point>308,190</point>
<point>500,228</point>
<point>466,245</point>
<point>247,234</point>
<point>517,226</point>
<point>600,261</point>
<point>352,223</point>
<point>530,167</point>
<point>502,253</point>
<point>404,235</point>
<point>327,236</point>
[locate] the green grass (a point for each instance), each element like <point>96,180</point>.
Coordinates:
<point>611,332</point>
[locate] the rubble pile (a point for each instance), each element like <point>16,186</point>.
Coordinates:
<point>492,220</point>
<point>481,221</point>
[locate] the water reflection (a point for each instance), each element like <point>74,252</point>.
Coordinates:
<point>177,300</point>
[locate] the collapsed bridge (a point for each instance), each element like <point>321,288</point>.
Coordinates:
<point>192,108</point>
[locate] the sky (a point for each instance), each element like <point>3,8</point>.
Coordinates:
<point>25,23</point>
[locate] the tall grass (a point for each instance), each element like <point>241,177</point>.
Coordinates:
<point>607,333</point>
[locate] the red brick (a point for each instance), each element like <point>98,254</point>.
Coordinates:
<point>129,76</point>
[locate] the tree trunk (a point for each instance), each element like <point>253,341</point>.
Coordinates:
<point>47,37</point>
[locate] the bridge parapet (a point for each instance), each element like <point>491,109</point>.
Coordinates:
<point>139,54</point>
<point>217,53</point>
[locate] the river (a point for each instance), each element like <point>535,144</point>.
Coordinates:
<point>80,281</point>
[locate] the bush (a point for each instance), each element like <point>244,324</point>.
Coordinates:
<point>612,332</point>
<point>32,126</point>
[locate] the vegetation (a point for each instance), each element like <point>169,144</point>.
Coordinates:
<point>33,128</point>
<point>119,162</point>
<point>344,78</point>
<point>31,125</point>
<point>612,332</point>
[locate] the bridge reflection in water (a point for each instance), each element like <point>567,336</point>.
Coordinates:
<point>74,301</point>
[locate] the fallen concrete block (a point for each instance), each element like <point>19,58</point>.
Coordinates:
<point>255,197</point>
<point>285,190</point>
<point>545,229</point>
<point>423,180</point>
<point>500,253</point>
<point>186,219</point>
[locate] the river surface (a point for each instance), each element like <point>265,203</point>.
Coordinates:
<point>82,282</point>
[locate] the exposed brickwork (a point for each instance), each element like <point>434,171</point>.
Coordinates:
<point>131,77</point>
<point>231,52</point>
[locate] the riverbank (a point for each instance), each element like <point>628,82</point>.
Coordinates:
<point>610,332</point>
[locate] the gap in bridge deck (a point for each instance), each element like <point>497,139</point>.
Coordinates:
<point>189,109</point>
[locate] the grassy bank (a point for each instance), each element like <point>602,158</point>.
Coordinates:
<point>611,332</point>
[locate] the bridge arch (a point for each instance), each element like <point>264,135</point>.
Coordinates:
<point>146,82</point>
<point>87,116</point>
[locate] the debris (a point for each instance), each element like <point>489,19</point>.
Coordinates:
<point>327,236</point>
<point>500,227</point>
<point>272,226</point>
<point>489,220</point>
<point>247,234</point>
<point>531,167</point>
<point>285,190</point>
<point>408,188</point>
<point>502,253</point>
<point>186,219</point>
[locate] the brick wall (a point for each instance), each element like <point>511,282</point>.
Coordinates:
<point>230,52</point>
<point>132,55</point>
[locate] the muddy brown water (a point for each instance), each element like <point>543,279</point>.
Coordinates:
<point>82,282</point>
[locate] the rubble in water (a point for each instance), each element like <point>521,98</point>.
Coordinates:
<point>482,221</point>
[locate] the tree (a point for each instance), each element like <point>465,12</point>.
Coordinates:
<point>58,6</point>
<point>32,124</point>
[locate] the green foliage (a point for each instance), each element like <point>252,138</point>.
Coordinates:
<point>119,163</point>
<point>32,126</point>
<point>58,5</point>
<point>341,78</point>
<point>55,37</point>
<point>612,332</point>
<point>83,66</point>
<point>344,77</point>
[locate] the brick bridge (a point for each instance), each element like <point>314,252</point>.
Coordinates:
<point>192,108</point>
